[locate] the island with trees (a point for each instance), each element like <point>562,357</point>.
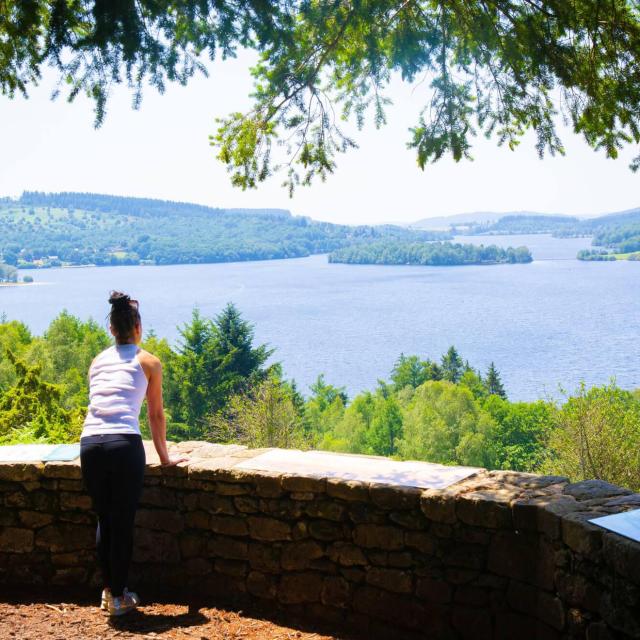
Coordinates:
<point>437,254</point>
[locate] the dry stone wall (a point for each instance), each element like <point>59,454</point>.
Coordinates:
<point>500,555</point>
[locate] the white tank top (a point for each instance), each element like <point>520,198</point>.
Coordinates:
<point>117,387</point>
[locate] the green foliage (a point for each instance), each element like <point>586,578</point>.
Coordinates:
<point>32,408</point>
<point>264,416</point>
<point>85,228</point>
<point>597,436</point>
<point>215,359</point>
<point>8,273</point>
<point>432,253</point>
<point>493,382</point>
<point>498,69</point>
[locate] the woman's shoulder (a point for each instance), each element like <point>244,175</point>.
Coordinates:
<point>148,361</point>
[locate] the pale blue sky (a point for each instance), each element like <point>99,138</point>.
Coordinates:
<point>162,151</point>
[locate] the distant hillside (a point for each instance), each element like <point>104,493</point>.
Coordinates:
<point>471,219</point>
<point>57,229</point>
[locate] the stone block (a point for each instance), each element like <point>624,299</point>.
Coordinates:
<point>70,576</point>
<point>197,567</point>
<point>298,588</point>
<point>197,520</point>
<point>489,509</point>
<point>472,624</point>
<point>65,537</point>
<point>261,585</point>
<point>579,534</point>
<point>622,555</point>
<point>300,483</point>
<point>409,519</point>
<point>216,504</point>
<point>390,579</point>
<point>325,510</point>
<point>233,489</point>
<point>228,548</point>
<point>400,559</point>
<point>594,489</point>
<point>433,590</point>
<point>63,485</point>
<point>160,520</point>
<point>514,555</point>
<point>16,540</point>
<point>44,502</point>
<point>35,519</point>
<point>326,530</point>
<point>467,556</point>
<point>264,558</point>
<point>246,504</point>
<point>155,546</point>
<point>17,499</point>
<point>539,604</point>
<point>75,501</point>
<point>421,541</point>
<point>391,607</point>
<point>235,568</point>
<point>65,470</point>
<point>510,625</point>
<point>281,508</point>
<point>543,514</point>
<point>374,536</point>
<point>348,490</point>
<point>365,513</point>
<point>192,544</point>
<point>347,554</point>
<point>394,497</point>
<point>268,529</point>
<point>229,525</point>
<point>268,486</point>
<point>336,592</point>
<point>159,497</point>
<point>298,555</point>
<point>577,590</point>
<point>439,505</point>
<point>20,471</point>
<point>303,496</point>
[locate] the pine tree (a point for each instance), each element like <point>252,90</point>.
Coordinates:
<point>452,365</point>
<point>494,383</point>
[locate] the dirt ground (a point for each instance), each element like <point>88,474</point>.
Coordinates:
<point>25,619</point>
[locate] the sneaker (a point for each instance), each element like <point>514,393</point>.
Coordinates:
<point>105,599</point>
<point>124,604</point>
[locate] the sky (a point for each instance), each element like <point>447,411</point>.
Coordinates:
<point>162,151</point>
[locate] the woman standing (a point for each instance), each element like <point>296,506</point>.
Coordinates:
<point>111,451</point>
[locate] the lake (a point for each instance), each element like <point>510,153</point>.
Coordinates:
<point>556,321</point>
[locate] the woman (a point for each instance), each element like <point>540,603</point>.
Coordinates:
<point>111,451</point>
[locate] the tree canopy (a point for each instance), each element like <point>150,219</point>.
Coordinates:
<point>496,67</point>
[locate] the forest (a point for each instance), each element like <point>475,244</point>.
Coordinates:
<point>400,252</point>
<point>221,387</point>
<point>48,230</point>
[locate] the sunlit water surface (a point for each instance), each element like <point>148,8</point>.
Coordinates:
<point>554,322</point>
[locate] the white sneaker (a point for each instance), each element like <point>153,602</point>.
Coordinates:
<point>124,604</point>
<point>104,600</point>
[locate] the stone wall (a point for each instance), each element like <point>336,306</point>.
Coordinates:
<point>500,555</point>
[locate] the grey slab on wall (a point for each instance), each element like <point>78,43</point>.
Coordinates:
<point>323,464</point>
<point>627,524</point>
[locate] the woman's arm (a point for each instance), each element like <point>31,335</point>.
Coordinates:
<point>152,368</point>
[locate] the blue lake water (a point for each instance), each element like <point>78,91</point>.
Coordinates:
<point>554,322</point>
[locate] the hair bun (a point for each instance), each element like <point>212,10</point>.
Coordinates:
<point>119,299</point>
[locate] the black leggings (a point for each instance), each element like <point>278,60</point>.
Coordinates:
<point>113,472</point>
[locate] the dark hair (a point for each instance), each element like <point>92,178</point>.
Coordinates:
<point>124,315</point>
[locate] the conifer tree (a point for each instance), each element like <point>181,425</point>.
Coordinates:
<point>494,383</point>
<point>452,365</point>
